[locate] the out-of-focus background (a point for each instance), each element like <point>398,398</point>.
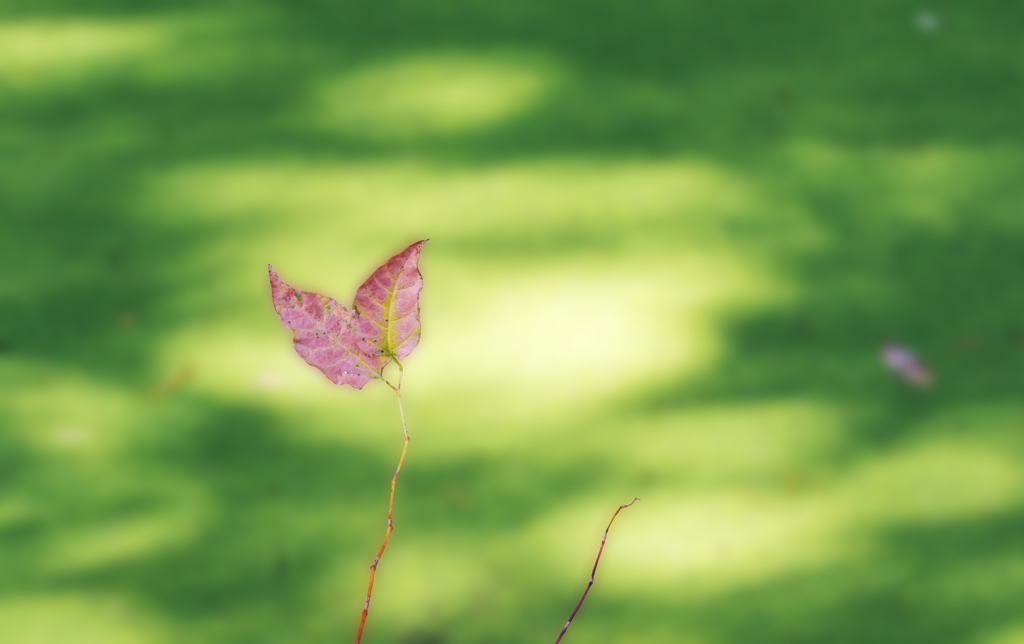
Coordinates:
<point>668,240</point>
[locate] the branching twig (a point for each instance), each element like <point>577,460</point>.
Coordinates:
<point>594,571</point>
<point>391,503</point>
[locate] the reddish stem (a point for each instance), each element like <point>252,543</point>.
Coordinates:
<point>391,504</point>
<point>594,571</point>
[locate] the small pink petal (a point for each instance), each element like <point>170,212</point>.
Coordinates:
<point>902,361</point>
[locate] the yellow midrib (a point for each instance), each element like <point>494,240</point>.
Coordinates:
<point>390,328</point>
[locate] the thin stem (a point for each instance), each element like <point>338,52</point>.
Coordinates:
<point>391,503</point>
<point>396,389</point>
<point>594,571</point>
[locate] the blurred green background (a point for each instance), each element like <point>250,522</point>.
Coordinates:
<point>667,242</point>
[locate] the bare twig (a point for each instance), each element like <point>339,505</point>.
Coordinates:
<point>594,571</point>
<point>391,504</point>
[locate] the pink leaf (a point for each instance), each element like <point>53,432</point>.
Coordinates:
<point>353,347</point>
<point>323,334</point>
<point>388,307</point>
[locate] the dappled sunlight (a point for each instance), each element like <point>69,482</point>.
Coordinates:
<point>431,94</point>
<point>933,187</point>
<point>165,51</point>
<point>653,259</point>
<point>725,530</point>
<point>38,53</point>
<point>119,543</point>
<point>60,411</point>
<point>459,204</point>
<point>441,579</point>
<point>694,544</point>
<point>71,618</point>
<point>573,329</point>
<point>1013,634</point>
<point>566,327</point>
<point>935,481</point>
<point>666,245</point>
<point>770,441</point>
